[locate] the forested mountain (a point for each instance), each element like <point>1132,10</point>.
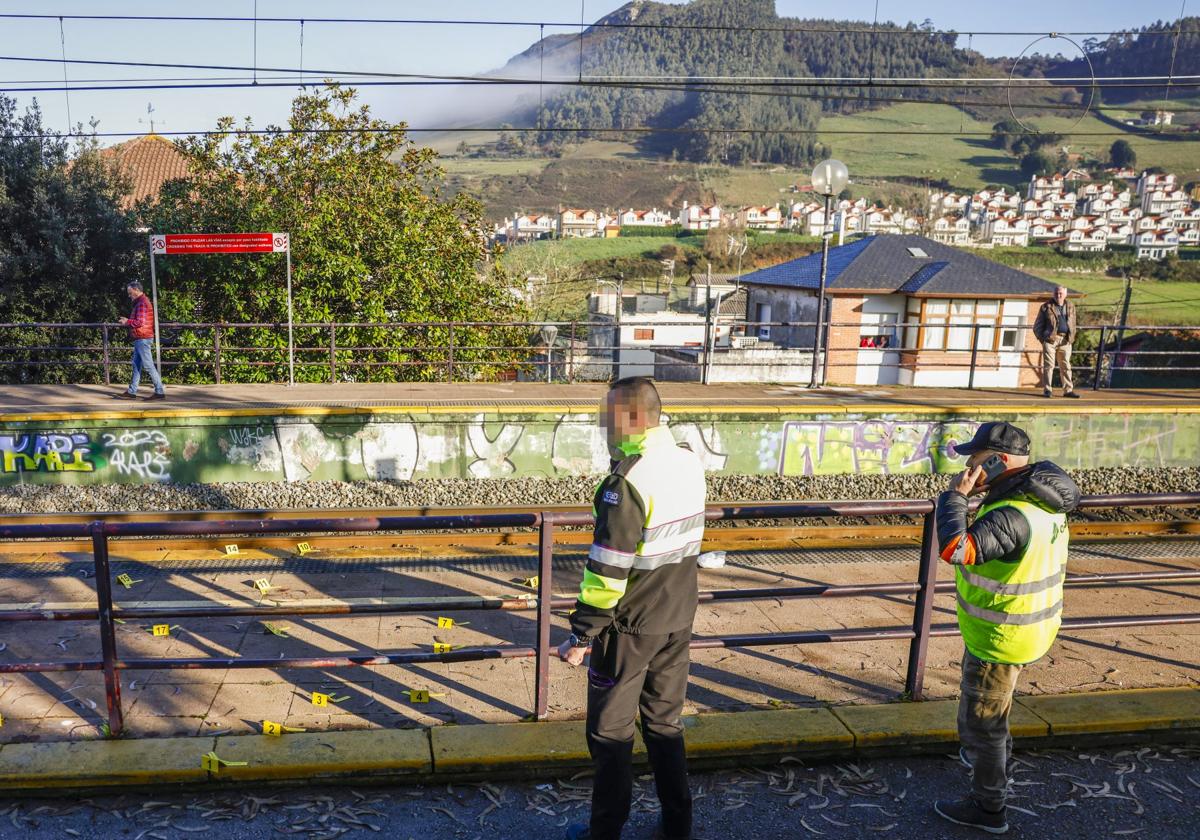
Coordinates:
<point>1164,48</point>
<point>709,41</point>
<point>716,39</point>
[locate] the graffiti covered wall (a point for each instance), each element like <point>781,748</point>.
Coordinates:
<point>416,446</point>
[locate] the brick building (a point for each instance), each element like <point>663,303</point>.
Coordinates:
<point>905,310</point>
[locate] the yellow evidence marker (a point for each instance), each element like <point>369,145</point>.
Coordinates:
<point>161,629</point>
<point>420,695</point>
<point>270,727</point>
<point>531,582</point>
<point>232,549</point>
<point>262,585</point>
<point>444,647</point>
<point>304,548</point>
<point>213,763</point>
<point>127,581</point>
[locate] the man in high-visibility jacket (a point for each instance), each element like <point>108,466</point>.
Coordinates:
<point>635,611</point>
<point>1009,569</point>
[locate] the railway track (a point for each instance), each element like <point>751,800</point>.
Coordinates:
<point>815,532</point>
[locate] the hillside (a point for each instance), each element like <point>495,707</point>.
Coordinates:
<point>712,39</point>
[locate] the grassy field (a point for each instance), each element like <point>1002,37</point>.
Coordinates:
<point>615,174</point>
<point>1153,302</point>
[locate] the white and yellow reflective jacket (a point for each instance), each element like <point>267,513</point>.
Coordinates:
<point>641,569</point>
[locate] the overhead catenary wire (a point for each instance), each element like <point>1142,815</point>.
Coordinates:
<point>600,24</point>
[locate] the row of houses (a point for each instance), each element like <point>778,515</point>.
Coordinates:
<point>1148,212</point>
<point>903,310</point>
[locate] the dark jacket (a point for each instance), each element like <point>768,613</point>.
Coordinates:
<point>1046,324</point>
<point>1002,534</point>
<point>658,601</point>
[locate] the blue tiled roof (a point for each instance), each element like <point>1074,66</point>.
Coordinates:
<point>922,276</point>
<point>805,272</point>
<point>903,264</point>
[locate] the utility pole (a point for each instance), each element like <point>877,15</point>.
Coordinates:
<point>1120,328</point>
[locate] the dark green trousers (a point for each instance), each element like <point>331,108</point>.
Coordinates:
<point>629,675</point>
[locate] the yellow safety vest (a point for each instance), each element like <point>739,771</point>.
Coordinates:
<point>669,479</point>
<point>1010,612</point>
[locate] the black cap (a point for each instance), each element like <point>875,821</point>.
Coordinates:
<point>998,437</point>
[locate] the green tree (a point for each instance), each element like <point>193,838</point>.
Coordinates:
<point>1122,154</point>
<point>67,246</point>
<point>1037,163</point>
<point>373,241</point>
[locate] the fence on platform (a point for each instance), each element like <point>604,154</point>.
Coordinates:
<point>945,353</point>
<point>918,633</point>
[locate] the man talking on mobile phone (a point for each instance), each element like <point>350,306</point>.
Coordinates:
<point>1009,568</point>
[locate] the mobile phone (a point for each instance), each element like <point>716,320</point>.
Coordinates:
<point>993,467</point>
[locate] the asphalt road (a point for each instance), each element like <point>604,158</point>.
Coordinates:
<point>1151,791</point>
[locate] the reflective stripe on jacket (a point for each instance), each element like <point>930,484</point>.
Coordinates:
<point>1010,612</point>
<point>641,571</point>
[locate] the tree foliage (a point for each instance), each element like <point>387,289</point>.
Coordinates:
<point>756,42</point>
<point>66,245</point>
<point>1122,154</point>
<point>373,239</point>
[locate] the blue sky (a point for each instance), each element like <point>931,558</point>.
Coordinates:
<point>393,48</point>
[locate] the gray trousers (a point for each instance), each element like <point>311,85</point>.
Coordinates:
<point>983,709</point>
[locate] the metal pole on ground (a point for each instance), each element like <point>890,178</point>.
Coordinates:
<point>291,341</point>
<point>914,681</point>
<point>1100,358</point>
<point>544,589</point>
<point>154,302</point>
<point>108,629</point>
<point>974,355</point>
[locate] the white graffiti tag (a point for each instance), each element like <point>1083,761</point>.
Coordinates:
<point>139,453</point>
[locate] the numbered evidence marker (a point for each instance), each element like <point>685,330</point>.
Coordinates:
<point>127,581</point>
<point>161,629</point>
<point>531,582</point>
<point>420,695</point>
<point>320,699</point>
<point>304,548</point>
<point>270,727</point>
<point>443,647</point>
<point>262,585</point>
<point>448,623</point>
<point>232,549</point>
<point>213,763</point>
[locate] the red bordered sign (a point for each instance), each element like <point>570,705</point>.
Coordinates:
<point>218,243</point>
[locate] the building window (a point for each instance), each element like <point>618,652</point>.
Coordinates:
<point>643,334</point>
<point>950,324</point>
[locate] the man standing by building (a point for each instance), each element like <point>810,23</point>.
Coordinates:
<point>141,332</point>
<point>1009,567</point>
<point>635,611</point>
<point>1055,328</point>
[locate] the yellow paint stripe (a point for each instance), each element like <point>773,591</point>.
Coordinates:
<point>549,408</point>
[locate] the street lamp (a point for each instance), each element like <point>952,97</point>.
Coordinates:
<point>548,333</point>
<point>829,178</point>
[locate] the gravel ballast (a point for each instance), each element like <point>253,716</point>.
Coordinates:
<point>500,493</point>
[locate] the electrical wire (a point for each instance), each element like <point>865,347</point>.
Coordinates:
<point>600,24</point>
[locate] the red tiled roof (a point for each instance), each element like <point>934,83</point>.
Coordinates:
<point>148,162</point>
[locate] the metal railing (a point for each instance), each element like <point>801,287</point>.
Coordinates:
<point>979,354</point>
<point>918,633</point>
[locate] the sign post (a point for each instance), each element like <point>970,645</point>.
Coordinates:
<point>170,244</point>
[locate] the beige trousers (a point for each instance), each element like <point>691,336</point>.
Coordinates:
<point>1056,351</point>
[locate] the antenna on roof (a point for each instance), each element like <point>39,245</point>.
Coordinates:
<point>149,116</point>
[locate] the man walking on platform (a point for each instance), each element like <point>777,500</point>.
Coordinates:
<point>141,332</point>
<point>1055,328</point>
<point>1009,569</point>
<point>635,611</point>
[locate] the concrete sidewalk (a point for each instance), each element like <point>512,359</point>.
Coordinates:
<point>534,749</point>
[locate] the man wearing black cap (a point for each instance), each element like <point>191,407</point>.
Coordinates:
<point>1009,569</point>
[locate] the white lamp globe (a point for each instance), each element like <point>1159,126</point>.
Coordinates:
<point>830,177</point>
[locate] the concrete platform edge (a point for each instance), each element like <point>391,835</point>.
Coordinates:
<point>556,747</point>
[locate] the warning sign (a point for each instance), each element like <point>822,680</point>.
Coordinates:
<point>219,243</point>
